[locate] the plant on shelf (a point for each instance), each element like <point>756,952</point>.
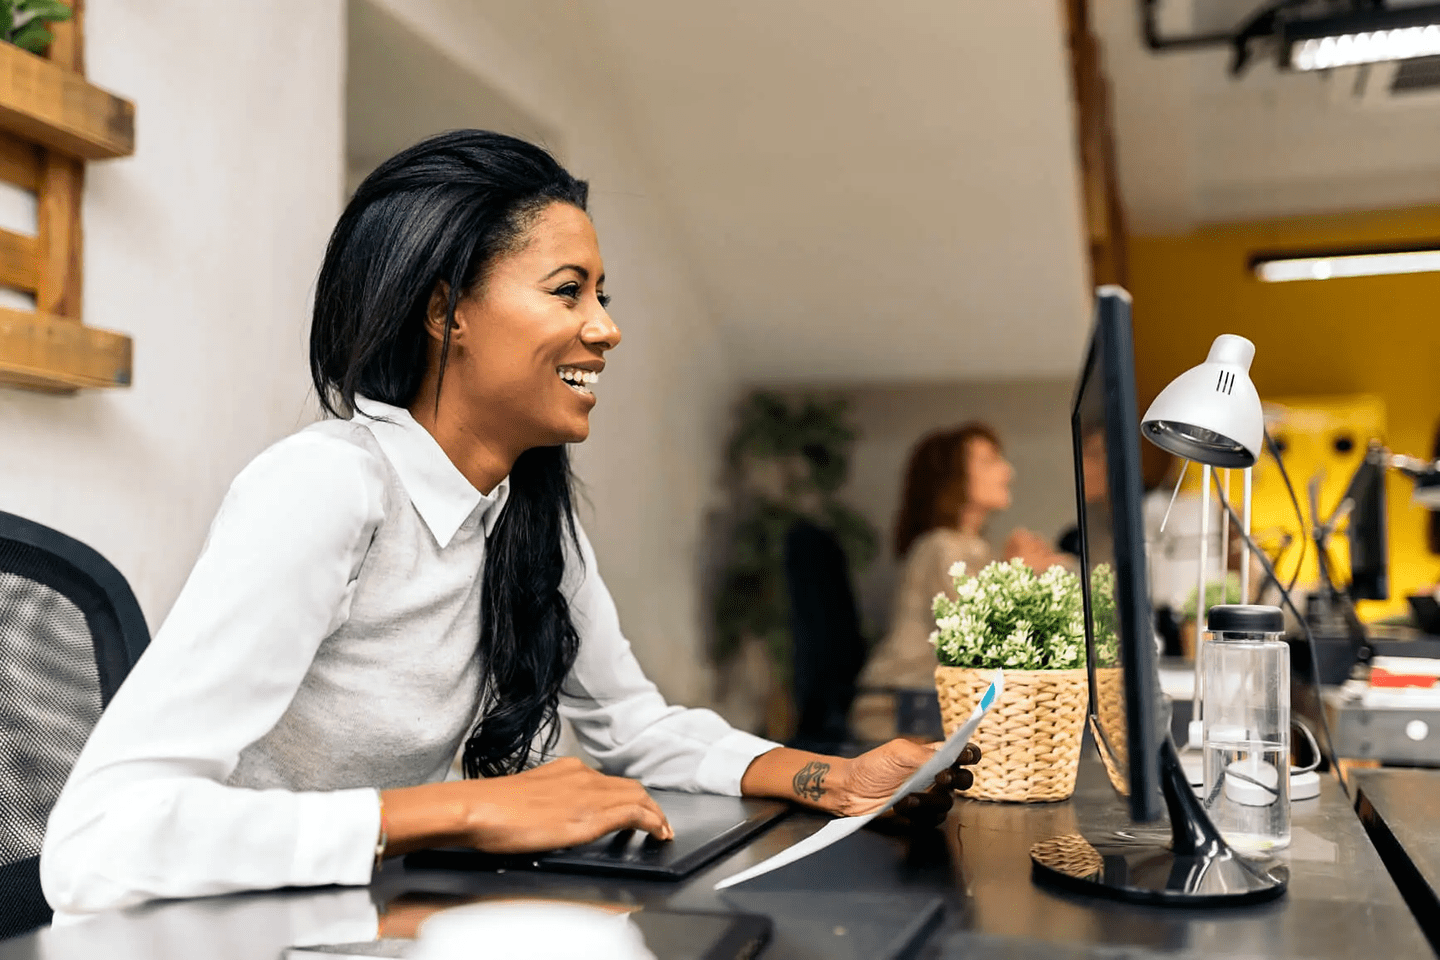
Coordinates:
<point>786,462</point>
<point>1216,593</point>
<point>24,22</point>
<point>1007,617</point>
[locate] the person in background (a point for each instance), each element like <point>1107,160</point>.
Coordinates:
<point>955,480</point>
<point>406,580</point>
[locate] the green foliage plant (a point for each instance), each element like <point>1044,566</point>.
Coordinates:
<point>1007,616</point>
<point>24,22</point>
<point>1216,593</point>
<point>803,448</point>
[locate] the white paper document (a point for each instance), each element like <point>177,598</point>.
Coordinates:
<point>921,779</point>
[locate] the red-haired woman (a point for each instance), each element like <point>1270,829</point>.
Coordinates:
<point>955,480</point>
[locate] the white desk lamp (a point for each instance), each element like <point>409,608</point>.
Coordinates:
<point>1211,414</point>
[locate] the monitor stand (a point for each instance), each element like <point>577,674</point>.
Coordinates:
<point>1195,868</point>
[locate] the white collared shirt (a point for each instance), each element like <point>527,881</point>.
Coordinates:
<point>325,647</point>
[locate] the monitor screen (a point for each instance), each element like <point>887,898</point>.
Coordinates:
<point>1125,713</point>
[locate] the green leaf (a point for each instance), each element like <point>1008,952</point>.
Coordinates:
<point>7,18</point>
<point>51,10</point>
<point>33,37</point>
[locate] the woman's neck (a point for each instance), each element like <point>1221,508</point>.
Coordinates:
<point>482,462</point>
<point>972,520</point>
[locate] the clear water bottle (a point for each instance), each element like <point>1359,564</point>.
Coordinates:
<point>1246,727</point>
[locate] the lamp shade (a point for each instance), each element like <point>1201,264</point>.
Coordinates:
<point>1211,413</point>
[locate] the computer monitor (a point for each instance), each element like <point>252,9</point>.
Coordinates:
<point>1128,721</point>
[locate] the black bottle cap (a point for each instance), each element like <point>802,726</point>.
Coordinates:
<point>1245,618</point>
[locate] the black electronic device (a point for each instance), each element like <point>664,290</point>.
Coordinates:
<point>1126,717</point>
<point>1425,608</point>
<point>674,934</point>
<point>705,826</point>
<point>1368,531</point>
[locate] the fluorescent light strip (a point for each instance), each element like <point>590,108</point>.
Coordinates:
<point>1348,49</point>
<point>1356,265</point>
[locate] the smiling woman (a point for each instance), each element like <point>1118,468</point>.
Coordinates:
<point>407,581</point>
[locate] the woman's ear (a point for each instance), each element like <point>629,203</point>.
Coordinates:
<point>436,310</point>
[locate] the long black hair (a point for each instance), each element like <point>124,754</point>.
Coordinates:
<point>444,210</point>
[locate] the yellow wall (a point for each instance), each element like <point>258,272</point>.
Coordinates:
<point>1367,335</point>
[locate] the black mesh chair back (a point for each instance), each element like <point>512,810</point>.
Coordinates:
<point>70,629</point>
<point>829,649</point>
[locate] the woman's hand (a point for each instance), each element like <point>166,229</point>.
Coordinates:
<point>856,787</point>
<point>559,804</point>
<point>1031,549</point>
<point>870,779</point>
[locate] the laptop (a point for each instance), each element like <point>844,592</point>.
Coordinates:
<point>706,826</point>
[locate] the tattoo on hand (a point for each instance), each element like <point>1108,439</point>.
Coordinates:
<point>810,781</point>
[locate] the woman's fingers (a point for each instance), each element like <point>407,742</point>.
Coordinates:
<point>637,816</point>
<point>969,755</point>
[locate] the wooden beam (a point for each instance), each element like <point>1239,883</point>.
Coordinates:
<point>60,237</point>
<point>19,265</point>
<point>48,353</point>
<point>68,48</point>
<point>56,108</point>
<point>19,162</point>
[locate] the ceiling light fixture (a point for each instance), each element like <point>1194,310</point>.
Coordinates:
<point>1368,36</point>
<point>1281,268</point>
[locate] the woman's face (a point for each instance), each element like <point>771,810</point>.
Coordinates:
<point>989,475</point>
<point>530,340</point>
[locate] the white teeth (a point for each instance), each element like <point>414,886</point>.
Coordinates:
<point>576,375</point>
<point>578,378</point>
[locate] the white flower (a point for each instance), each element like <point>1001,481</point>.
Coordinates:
<point>957,569</point>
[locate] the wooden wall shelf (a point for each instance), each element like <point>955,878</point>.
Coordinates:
<point>56,108</point>
<point>41,352</point>
<point>51,122</point>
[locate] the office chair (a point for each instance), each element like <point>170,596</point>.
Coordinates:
<point>70,630</point>
<point>829,649</point>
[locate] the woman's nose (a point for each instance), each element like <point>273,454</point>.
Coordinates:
<point>601,331</point>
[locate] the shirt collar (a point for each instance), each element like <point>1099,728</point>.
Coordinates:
<point>441,494</point>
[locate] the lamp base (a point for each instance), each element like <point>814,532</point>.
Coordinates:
<point>1195,868</point>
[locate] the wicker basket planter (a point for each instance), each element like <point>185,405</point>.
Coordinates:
<point>1030,740</point>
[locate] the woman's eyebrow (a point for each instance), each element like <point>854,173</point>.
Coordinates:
<point>584,274</point>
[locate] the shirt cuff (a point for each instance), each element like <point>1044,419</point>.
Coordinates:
<point>725,763</point>
<point>337,834</point>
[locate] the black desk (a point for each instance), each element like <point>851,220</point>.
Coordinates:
<point>1401,809</point>
<point>1342,902</point>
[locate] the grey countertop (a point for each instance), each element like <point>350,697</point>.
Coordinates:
<point>866,892</point>
<point>1401,810</point>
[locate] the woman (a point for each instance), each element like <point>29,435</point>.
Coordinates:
<point>383,587</point>
<point>955,480</point>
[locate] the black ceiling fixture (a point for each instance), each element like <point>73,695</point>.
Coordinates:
<point>1315,34</point>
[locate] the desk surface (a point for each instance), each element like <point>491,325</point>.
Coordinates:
<point>1341,901</point>
<point>1401,809</point>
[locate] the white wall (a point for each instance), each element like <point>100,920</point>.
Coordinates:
<point>650,465</point>
<point>1032,418</point>
<point>203,247</point>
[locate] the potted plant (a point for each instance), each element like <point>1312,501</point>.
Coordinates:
<point>786,461</point>
<point>1216,593</point>
<point>1031,626</point>
<point>23,22</point>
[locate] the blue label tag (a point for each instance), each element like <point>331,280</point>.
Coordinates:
<point>989,697</point>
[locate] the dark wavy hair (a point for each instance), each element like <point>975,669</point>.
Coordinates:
<point>445,210</point>
<point>937,484</point>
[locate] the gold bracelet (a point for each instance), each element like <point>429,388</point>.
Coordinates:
<point>382,840</point>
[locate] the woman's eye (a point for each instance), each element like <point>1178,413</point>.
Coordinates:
<point>571,291</point>
<point>604,299</point>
